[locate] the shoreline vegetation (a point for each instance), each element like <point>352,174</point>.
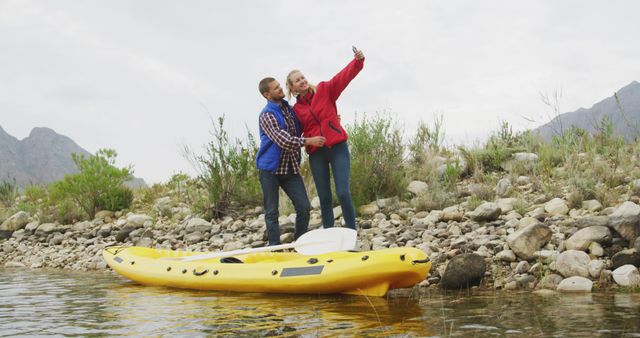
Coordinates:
<point>516,213</point>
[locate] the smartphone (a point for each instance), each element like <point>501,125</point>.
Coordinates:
<point>354,49</point>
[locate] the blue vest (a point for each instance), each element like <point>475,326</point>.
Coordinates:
<point>268,157</point>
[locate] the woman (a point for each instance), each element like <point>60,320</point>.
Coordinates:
<point>316,110</point>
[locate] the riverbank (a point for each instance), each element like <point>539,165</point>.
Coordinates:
<point>492,244</point>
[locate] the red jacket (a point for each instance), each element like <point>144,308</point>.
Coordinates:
<point>318,113</point>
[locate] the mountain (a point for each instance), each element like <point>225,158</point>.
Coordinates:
<point>623,112</point>
<point>41,158</point>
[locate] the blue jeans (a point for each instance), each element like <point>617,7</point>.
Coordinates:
<point>338,157</point>
<point>293,186</point>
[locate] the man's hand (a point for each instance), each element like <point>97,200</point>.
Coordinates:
<point>316,141</point>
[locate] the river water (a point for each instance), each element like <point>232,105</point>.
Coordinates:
<point>64,303</point>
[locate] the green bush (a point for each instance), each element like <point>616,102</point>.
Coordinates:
<point>376,156</point>
<point>98,185</point>
<point>115,199</point>
<point>8,193</point>
<point>228,173</point>
<point>35,200</point>
<point>428,140</point>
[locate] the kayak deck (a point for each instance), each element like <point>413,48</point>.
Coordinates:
<point>370,273</point>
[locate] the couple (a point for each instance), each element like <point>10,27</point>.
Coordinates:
<point>313,122</point>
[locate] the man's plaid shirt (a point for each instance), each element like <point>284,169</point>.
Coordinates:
<point>286,139</point>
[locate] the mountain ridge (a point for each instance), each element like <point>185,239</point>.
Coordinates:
<point>622,108</point>
<point>43,157</point>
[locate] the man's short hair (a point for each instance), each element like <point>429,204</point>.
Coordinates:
<point>263,86</point>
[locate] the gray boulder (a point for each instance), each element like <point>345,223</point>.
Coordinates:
<point>16,222</point>
<point>575,284</point>
<point>624,257</point>
<point>528,240</point>
<point>590,221</point>
<point>463,271</point>
<point>625,220</point>
<point>627,275</point>
<point>139,220</point>
<point>197,224</point>
<point>583,237</point>
<point>503,188</point>
<point>573,263</point>
<point>486,212</point>
<point>549,282</point>
<point>418,188</point>
<point>556,206</point>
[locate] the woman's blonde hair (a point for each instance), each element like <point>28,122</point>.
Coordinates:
<point>290,92</point>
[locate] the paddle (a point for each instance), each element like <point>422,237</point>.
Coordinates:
<point>314,242</point>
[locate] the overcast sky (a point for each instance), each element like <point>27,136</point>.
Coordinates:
<point>146,77</point>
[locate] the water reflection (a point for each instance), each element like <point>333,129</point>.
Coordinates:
<point>57,303</point>
<point>262,314</point>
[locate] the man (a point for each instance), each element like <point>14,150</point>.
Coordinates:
<point>278,159</point>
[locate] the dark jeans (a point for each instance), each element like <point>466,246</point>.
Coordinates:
<point>338,157</point>
<point>293,186</point>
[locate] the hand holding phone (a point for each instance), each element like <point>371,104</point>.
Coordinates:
<point>358,53</point>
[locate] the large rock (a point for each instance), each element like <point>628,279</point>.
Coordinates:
<point>573,263</point>
<point>163,206</point>
<point>16,222</point>
<point>368,210</point>
<point>549,281</point>
<point>595,268</point>
<point>452,213</point>
<point>103,214</point>
<point>627,275</point>
<point>625,219</point>
<point>592,205</point>
<point>463,271</point>
<point>46,229</point>
<point>528,240</point>
<point>139,220</point>
<point>197,224</point>
<point>575,284</point>
<point>486,212</point>
<point>591,221</point>
<point>418,188</point>
<point>387,203</point>
<point>82,227</point>
<point>503,188</point>
<point>556,206</point>
<point>315,203</point>
<point>583,237</point>
<point>624,257</point>
<point>506,204</point>
<point>123,233</point>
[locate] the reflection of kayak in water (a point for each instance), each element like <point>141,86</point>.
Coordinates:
<point>370,273</point>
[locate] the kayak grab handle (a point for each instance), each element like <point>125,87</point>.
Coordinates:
<point>200,273</point>
<point>420,261</point>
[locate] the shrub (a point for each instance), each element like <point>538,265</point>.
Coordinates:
<point>376,154</point>
<point>115,199</point>
<point>98,185</point>
<point>227,172</point>
<point>427,141</point>
<point>8,193</point>
<point>35,200</point>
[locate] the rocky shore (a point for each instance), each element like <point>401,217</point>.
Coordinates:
<point>491,245</point>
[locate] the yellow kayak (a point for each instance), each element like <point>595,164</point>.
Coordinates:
<point>370,273</point>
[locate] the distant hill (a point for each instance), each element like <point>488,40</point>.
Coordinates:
<point>624,113</point>
<point>41,158</point>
